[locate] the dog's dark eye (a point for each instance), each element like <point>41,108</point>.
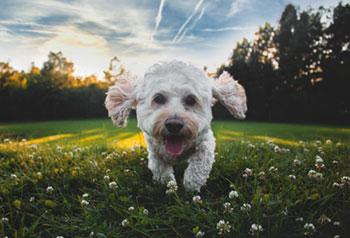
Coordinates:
<point>190,101</point>
<point>159,99</point>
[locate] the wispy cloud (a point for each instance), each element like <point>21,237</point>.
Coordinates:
<point>158,18</point>
<point>195,10</point>
<point>237,6</point>
<point>232,28</point>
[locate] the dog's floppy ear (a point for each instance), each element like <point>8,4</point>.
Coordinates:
<point>121,98</point>
<point>231,94</point>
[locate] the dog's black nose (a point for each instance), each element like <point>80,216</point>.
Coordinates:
<point>174,125</point>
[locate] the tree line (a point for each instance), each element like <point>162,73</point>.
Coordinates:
<point>297,71</point>
<point>53,92</point>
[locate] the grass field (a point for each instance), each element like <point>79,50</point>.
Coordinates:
<point>87,178</point>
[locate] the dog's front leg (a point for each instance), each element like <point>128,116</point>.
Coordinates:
<point>200,164</point>
<point>162,171</point>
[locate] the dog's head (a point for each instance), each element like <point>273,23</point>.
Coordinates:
<point>173,103</point>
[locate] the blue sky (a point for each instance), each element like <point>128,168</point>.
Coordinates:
<point>138,32</point>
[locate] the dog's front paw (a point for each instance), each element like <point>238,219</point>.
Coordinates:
<point>192,184</point>
<point>163,178</point>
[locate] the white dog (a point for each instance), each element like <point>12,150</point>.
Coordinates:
<point>173,105</point>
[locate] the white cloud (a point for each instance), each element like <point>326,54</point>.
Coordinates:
<point>232,28</point>
<point>237,6</point>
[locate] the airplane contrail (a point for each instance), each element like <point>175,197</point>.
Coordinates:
<point>188,20</point>
<point>158,18</point>
<point>194,23</point>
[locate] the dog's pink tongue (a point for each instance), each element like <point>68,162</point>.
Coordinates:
<point>173,146</point>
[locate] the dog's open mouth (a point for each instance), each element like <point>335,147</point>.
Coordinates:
<point>174,145</point>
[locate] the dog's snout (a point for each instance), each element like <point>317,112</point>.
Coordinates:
<point>174,125</point>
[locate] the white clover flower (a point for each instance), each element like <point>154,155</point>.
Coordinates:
<point>299,219</point>
<point>4,219</point>
<point>337,236</point>
<point>335,162</point>
<point>124,154</point>
<point>328,142</point>
<point>227,207</point>
<point>309,229</point>
<point>125,223</point>
<point>145,211</point>
<point>200,234</point>
<point>32,199</point>
<point>197,199</point>
<point>336,223</point>
<point>296,162</point>
<point>292,177</point>
<point>233,194</point>
<point>106,178</point>
<point>59,237</point>
<point>84,203</point>
<point>115,141</point>
<point>338,144</point>
<point>262,175</point>
<point>107,171</point>
<point>172,187</point>
<point>318,176</point>
<point>245,175</point>
<point>345,180</point>
<point>85,195</point>
<point>255,229</point>
<point>131,209</point>
<point>246,207</point>
<point>273,169</point>
<point>13,176</point>
<point>311,173</point>
<point>336,185</point>
<point>277,149</point>
<point>319,162</point>
<point>223,227</point>
<point>248,171</point>
<point>113,185</point>
<point>33,147</point>
<point>6,140</point>
<point>49,189</point>
<point>251,146</point>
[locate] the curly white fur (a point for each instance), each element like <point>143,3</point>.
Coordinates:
<point>186,96</point>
